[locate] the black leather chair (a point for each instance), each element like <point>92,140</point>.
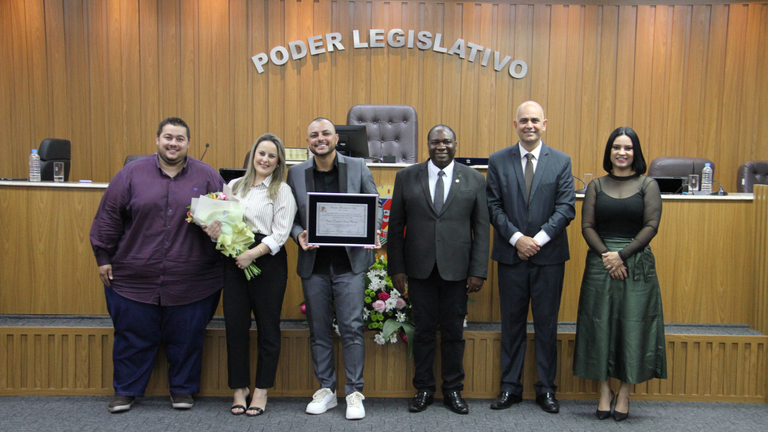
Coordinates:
<point>393,130</point>
<point>751,173</point>
<point>133,157</point>
<point>54,150</point>
<point>673,166</point>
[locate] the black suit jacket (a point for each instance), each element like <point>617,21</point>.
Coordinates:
<point>551,207</point>
<point>457,239</point>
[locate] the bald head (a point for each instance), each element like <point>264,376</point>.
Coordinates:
<point>532,105</point>
<point>530,123</point>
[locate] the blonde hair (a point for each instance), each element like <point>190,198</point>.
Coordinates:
<point>242,186</point>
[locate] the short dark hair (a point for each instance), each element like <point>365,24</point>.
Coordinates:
<point>638,161</point>
<point>324,119</point>
<point>440,126</point>
<point>175,121</point>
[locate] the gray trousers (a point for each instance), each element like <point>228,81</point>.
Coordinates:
<point>348,291</point>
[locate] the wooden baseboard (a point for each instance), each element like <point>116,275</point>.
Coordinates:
<point>78,361</point>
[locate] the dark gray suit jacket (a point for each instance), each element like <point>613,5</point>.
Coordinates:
<point>551,207</point>
<point>457,239</point>
<point>354,177</point>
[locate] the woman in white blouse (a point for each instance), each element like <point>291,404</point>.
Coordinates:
<point>269,211</point>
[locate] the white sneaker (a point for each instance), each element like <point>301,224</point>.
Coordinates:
<point>323,400</point>
<point>355,409</point>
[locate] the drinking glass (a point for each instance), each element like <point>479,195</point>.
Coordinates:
<point>58,172</point>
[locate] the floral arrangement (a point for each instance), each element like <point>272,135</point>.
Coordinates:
<point>235,235</point>
<point>386,310</point>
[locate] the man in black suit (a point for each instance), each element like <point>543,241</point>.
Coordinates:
<point>531,202</point>
<point>439,234</point>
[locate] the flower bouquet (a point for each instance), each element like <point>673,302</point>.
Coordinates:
<point>235,235</point>
<point>386,309</point>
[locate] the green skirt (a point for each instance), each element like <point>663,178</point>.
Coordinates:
<point>620,327</point>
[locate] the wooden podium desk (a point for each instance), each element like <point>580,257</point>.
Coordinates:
<point>707,253</point>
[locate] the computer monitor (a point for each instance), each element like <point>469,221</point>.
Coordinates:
<point>353,141</point>
<point>670,185</point>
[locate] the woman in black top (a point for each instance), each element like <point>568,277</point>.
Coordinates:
<point>620,328</point>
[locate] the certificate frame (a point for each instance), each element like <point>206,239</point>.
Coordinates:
<point>362,218</point>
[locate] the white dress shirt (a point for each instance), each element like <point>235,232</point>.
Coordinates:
<point>265,216</point>
<point>447,179</point>
<point>541,237</point>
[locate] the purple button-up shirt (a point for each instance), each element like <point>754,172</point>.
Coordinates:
<point>140,228</point>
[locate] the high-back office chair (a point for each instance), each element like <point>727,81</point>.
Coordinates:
<point>393,130</point>
<point>673,166</point>
<point>751,173</point>
<point>133,157</point>
<point>54,150</point>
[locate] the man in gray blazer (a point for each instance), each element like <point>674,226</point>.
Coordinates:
<point>332,274</point>
<point>531,202</point>
<point>439,235</point>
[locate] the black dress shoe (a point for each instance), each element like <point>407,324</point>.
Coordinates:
<point>421,401</point>
<point>620,416</point>
<point>455,402</point>
<point>548,403</point>
<point>602,415</point>
<point>505,400</point>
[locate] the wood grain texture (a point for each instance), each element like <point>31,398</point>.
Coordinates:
<point>760,305</point>
<point>703,278</point>
<point>78,361</point>
<point>685,75</point>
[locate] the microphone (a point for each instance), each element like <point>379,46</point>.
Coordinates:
<point>721,192</point>
<point>206,149</point>
<point>583,190</point>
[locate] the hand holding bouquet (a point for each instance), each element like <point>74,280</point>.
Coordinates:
<point>235,235</point>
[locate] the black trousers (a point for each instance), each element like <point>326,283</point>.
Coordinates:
<point>437,302</point>
<point>541,286</point>
<point>264,296</point>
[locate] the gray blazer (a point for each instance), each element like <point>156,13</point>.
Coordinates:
<point>354,177</point>
<point>457,239</point>
<point>551,207</point>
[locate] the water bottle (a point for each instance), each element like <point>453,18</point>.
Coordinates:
<point>34,166</point>
<point>706,179</point>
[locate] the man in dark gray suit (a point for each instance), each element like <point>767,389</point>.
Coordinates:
<point>531,202</point>
<point>331,273</point>
<point>439,236</point>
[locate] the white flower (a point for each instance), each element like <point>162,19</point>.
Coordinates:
<point>366,314</point>
<point>390,303</point>
<point>393,338</point>
<point>377,284</point>
<point>379,339</point>
<point>400,317</point>
<point>336,329</point>
<point>395,294</point>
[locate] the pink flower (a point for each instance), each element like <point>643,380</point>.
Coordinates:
<point>400,303</point>
<point>379,306</point>
<point>304,309</point>
<point>383,296</point>
<point>404,337</point>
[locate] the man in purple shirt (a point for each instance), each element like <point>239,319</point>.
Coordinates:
<point>162,276</point>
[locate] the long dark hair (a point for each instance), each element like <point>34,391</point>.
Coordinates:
<point>638,161</point>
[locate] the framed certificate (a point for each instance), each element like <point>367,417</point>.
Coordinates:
<point>341,219</point>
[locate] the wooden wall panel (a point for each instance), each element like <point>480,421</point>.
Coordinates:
<point>104,74</point>
<point>51,270</point>
<point>78,361</point>
<point>760,304</point>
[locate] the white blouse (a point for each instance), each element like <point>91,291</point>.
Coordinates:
<point>265,216</point>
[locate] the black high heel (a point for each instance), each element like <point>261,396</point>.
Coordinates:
<point>620,416</point>
<point>602,415</point>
